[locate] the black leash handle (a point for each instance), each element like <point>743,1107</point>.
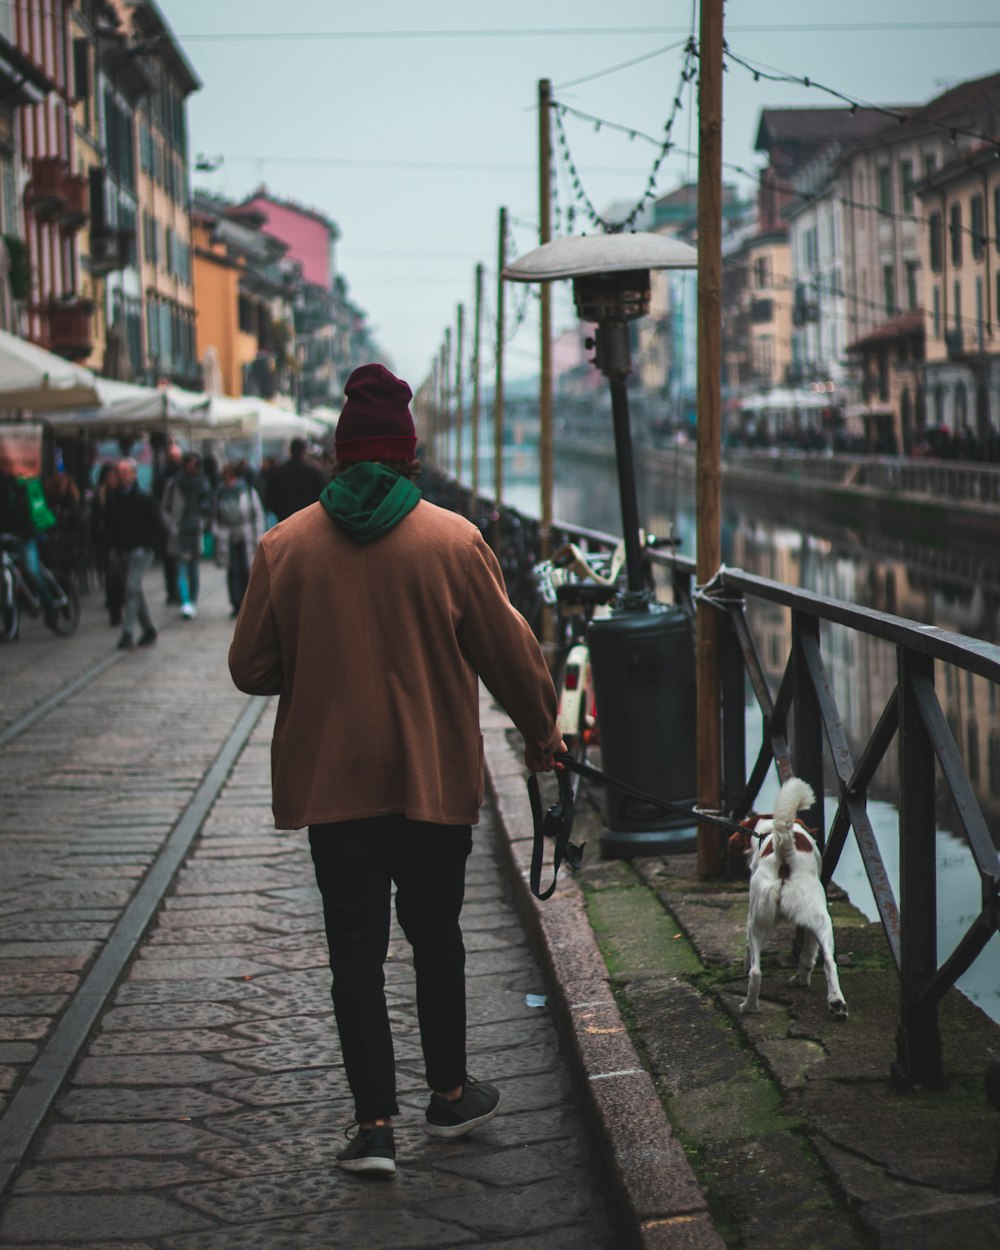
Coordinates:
<point>557,823</point>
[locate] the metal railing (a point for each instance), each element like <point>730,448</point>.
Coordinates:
<point>804,734</point>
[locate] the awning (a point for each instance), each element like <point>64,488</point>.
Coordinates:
<point>145,408</point>
<point>31,377</point>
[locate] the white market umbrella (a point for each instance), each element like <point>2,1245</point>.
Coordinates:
<point>31,377</point>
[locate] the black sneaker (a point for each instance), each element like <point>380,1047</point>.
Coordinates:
<point>479,1103</point>
<point>370,1150</point>
<point>126,643</point>
<point>147,637</point>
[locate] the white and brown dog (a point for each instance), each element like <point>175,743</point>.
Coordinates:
<point>785,866</point>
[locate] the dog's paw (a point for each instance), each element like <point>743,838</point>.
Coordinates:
<point>838,1009</point>
<point>800,980</point>
<point>747,1007</point>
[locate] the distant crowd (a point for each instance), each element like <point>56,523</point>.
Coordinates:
<point>111,534</point>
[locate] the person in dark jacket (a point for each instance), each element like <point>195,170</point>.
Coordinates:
<point>171,470</point>
<point>135,534</point>
<point>108,563</point>
<point>295,484</point>
<point>186,504</point>
<point>65,541</point>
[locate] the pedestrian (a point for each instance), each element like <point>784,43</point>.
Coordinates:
<point>135,534</point>
<point>64,542</point>
<point>295,484</point>
<point>26,516</point>
<point>237,526</point>
<point>373,614</point>
<point>187,502</point>
<point>107,561</point>
<point>173,461</point>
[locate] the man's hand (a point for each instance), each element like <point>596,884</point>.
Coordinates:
<point>536,762</point>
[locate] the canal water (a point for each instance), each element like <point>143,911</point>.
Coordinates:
<point>873,570</point>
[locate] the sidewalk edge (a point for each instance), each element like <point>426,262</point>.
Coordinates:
<point>652,1178</point>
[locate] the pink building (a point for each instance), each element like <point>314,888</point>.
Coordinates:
<point>309,236</point>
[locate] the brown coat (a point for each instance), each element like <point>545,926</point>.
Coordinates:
<point>376,653</point>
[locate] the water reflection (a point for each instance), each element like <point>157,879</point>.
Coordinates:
<point>958,591</point>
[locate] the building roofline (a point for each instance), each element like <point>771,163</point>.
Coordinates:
<point>169,45</point>
<point>315,214</point>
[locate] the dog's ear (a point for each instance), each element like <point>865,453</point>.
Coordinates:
<point>739,842</point>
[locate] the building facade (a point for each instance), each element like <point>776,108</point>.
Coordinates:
<point>55,198</point>
<point>961,257</point>
<point>245,294</point>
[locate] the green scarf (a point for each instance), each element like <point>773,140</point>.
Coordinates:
<point>368,499</point>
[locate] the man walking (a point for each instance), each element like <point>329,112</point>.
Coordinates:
<point>373,614</point>
<point>295,484</point>
<point>134,532</point>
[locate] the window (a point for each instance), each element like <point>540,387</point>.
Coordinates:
<point>956,234</point>
<point>996,218</point>
<point>977,225</point>
<point>906,177</point>
<point>811,242</point>
<point>168,250</point>
<point>934,226</point>
<point>930,164</point>
<point>936,305</point>
<point>912,297</point>
<point>889,289</point>
<point>980,313</point>
<point>761,272</point>
<point>885,188</point>
<point>957,310</point>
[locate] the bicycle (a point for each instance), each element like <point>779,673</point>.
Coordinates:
<point>580,586</point>
<point>62,615</point>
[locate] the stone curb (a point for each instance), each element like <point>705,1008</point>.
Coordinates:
<point>653,1180</point>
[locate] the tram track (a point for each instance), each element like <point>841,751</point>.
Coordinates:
<point>71,1022</point>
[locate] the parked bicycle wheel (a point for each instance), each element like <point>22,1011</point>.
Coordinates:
<point>64,616</point>
<point>10,616</point>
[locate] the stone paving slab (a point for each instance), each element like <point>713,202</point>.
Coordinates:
<point>209,1103</point>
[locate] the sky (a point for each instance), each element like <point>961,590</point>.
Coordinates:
<point>411,124</point>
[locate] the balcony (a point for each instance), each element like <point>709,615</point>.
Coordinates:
<point>76,205</point>
<point>71,328</point>
<point>46,191</point>
<point>111,250</point>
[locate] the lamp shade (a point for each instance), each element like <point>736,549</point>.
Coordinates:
<point>587,254</point>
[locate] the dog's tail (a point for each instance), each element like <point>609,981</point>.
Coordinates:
<point>793,797</point>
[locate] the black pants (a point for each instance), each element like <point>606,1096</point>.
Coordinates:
<point>356,862</point>
<point>237,572</point>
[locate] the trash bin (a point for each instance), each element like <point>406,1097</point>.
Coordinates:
<point>644,686</point>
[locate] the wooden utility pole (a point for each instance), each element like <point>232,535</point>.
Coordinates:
<point>446,384</point>
<point>545,296</point>
<point>498,392</point>
<point>476,344</point>
<point>459,390</point>
<point>708,476</point>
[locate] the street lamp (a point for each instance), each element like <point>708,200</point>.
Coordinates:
<point>642,655</point>
<point>611,286</point>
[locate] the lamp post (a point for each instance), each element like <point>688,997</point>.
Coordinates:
<point>611,287</point>
<point>642,655</point>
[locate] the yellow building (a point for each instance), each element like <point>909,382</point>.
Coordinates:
<point>961,258</point>
<point>244,291</point>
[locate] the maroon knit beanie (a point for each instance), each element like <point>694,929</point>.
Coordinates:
<point>376,423</point>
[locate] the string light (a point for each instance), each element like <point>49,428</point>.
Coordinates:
<point>664,146</point>
<point>897,115</point>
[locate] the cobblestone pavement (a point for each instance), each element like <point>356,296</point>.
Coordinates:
<point>206,1107</point>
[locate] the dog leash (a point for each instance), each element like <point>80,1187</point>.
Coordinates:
<point>557,822</point>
